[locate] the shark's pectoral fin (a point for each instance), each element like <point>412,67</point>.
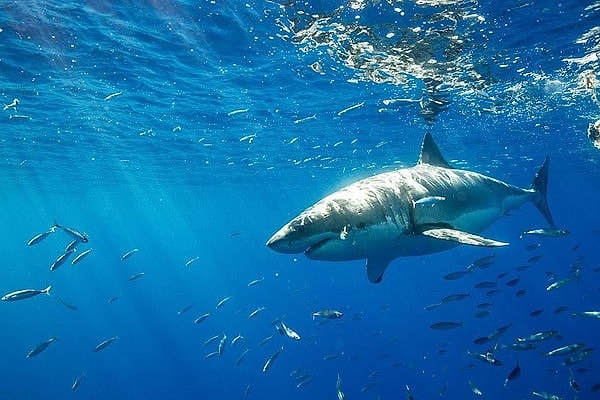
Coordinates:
<point>462,237</point>
<point>375,269</point>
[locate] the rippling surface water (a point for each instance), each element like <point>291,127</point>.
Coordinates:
<point>196,129</point>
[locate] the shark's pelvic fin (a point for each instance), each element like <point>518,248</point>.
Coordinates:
<point>430,153</point>
<point>375,269</point>
<point>540,185</point>
<point>462,237</point>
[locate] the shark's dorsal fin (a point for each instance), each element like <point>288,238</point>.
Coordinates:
<point>430,153</point>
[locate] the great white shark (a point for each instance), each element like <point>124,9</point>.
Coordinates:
<point>414,211</point>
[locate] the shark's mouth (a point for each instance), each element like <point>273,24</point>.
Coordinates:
<point>316,246</point>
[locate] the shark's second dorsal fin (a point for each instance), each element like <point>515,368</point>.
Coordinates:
<point>430,154</point>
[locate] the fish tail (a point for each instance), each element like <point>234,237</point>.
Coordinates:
<point>47,290</point>
<point>539,185</point>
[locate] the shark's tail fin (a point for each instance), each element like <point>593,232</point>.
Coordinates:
<point>540,184</point>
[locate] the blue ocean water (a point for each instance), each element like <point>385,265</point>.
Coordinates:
<point>191,131</point>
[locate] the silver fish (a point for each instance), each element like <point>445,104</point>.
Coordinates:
<point>72,232</point>
<point>546,232</point>
<point>77,381</point>
<point>25,294</point>
<point>271,359</point>
<point>328,314</point>
<point>290,332</point>
<point>255,312</point>
<point>201,318</point>
<point>256,282</point>
<point>39,237</point>
<point>222,344</point>
<point>129,254</point>
<point>60,260</point>
<point>40,347</point>
<point>104,344</point>
<point>136,276</point>
<point>80,256</point>
<point>223,301</point>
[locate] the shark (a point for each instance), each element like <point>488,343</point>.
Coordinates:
<point>424,209</point>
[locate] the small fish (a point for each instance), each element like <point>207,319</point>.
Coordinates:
<point>210,340</point>
<point>236,339</point>
<point>77,381</point>
<point>546,396</point>
<point>561,309</point>
<point>485,305</point>
<point>521,293</point>
<point>535,313</point>
<point>241,357</point>
<point>486,285</point>
<point>25,294</point>
<point>211,355</point>
<point>345,110</point>
<point>482,262</point>
<point>290,332</point>
<point>433,306</point>
<point>534,259</point>
<point>223,301</point>
<point>75,234</point>
<point>129,254</point>
<point>538,337</point>
<point>456,275</point>
<point>446,325</point>
<point>60,260</point>
<point>271,359</point>
<point>80,256</point>
<point>474,389</point>
<point>136,276</point>
<point>546,232</point>
<point>191,261</point>
<point>559,284</point>
<point>40,347</point>
<point>222,344</point>
<point>588,314</point>
<point>578,356</point>
<point>595,387</point>
<point>112,299</point>
<point>522,346</point>
<point>573,383</point>
<point>482,314</point>
<point>513,282</point>
<point>71,246</point>
<point>256,282</point>
<point>185,309</point>
<point>565,350</point>
<point>113,95</point>
<point>104,344</point>
<point>514,374</point>
<point>409,395</point>
<point>39,237</point>
<point>68,305</point>
<point>340,392</point>
<point>327,314</point>
<point>201,318</point>
<point>455,297</point>
<point>266,340</point>
<point>487,357</point>
<point>429,201</point>
<point>255,312</point>
<point>482,340</point>
<point>500,331</point>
